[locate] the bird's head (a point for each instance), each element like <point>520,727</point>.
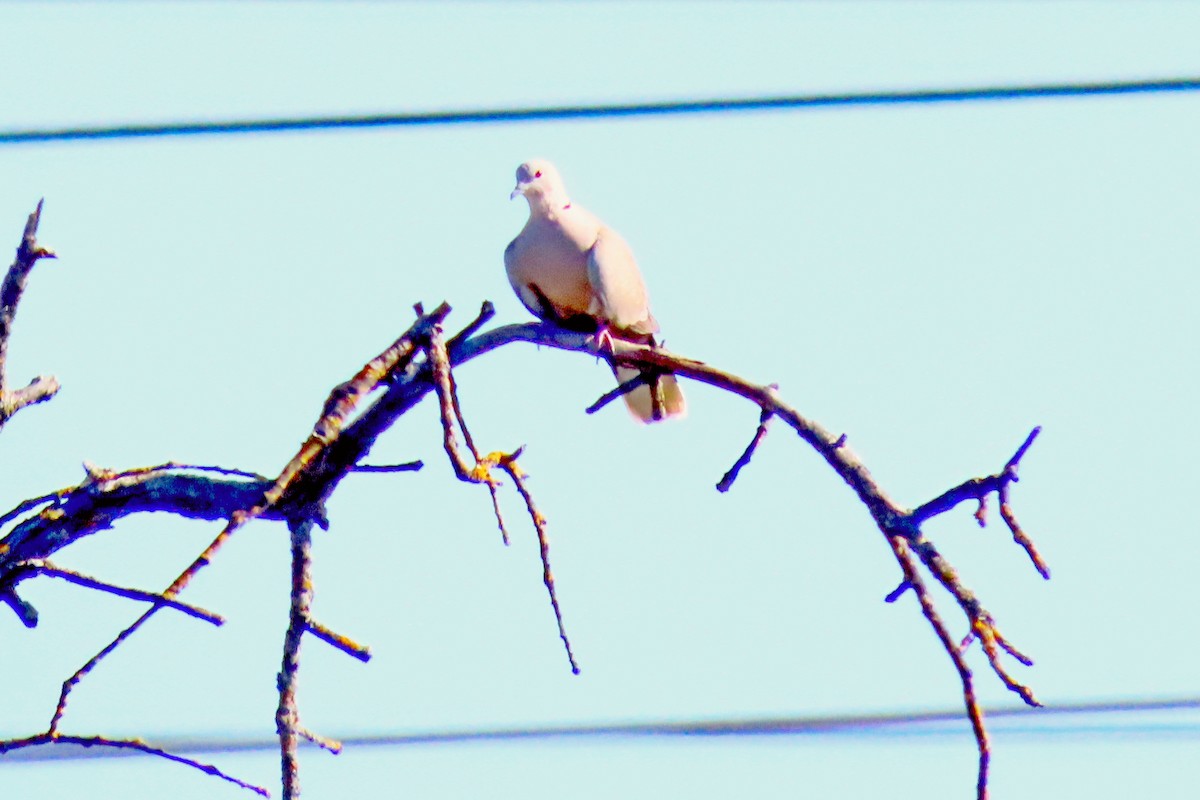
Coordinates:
<point>538,182</point>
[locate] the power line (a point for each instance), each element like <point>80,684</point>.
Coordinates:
<point>619,110</point>
<point>1032,722</point>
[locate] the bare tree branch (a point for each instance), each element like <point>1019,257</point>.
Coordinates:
<point>913,580</point>
<point>338,641</point>
<point>126,744</point>
<point>621,390</point>
<point>764,419</point>
<point>978,489</point>
<point>287,715</point>
<point>29,569</point>
<point>451,411</point>
<point>103,498</point>
<point>29,253</point>
<point>337,445</point>
<point>106,495</point>
<point>508,463</point>
<point>894,521</point>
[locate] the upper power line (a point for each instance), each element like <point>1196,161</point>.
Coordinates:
<point>549,113</point>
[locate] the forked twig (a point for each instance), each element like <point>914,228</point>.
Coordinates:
<point>451,414</point>
<point>29,252</point>
<point>913,580</point>
<point>978,489</point>
<point>508,463</point>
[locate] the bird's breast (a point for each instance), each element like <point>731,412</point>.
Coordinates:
<point>555,261</point>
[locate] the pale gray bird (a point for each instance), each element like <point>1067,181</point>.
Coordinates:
<point>569,268</point>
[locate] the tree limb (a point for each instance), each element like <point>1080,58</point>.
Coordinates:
<point>895,522</point>
<point>337,445</point>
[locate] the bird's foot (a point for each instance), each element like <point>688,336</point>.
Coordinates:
<point>603,340</point>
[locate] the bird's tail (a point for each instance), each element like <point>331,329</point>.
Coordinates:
<point>641,400</point>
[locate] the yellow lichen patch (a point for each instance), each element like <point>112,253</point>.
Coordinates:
<point>985,631</point>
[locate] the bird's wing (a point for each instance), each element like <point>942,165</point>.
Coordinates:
<point>617,286</point>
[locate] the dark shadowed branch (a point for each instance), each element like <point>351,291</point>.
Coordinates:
<point>105,496</point>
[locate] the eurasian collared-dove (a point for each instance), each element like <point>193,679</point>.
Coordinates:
<point>570,269</point>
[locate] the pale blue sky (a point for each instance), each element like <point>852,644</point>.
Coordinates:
<point>932,280</point>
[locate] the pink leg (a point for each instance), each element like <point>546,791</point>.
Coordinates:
<point>604,339</point>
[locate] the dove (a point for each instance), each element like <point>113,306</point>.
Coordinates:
<point>570,269</point>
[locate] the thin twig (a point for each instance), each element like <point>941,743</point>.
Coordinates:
<point>29,252</point>
<point>913,580</point>
<point>1006,512</point>
<point>70,683</point>
<point>127,744</point>
<point>287,715</point>
<point>981,622</point>
<point>508,463</point>
<point>993,642</point>
<point>409,466</point>
<point>43,567</point>
<point>24,610</point>
<point>978,489</point>
<point>28,505</point>
<point>623,389</point>
<point>898,592</point>
<point>451,415</point>
<point>486,312</point>
<point>324,742</point>
<point>764,419</point>
<point>338,641</point>
<point>492,484</point>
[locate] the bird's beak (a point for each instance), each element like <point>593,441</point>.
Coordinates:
<point>518,191</point>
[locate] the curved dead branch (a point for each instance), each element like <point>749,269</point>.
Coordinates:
<point>901,526</point>
<point>419,363</point>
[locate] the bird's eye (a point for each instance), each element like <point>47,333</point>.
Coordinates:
<point>537,174</point>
